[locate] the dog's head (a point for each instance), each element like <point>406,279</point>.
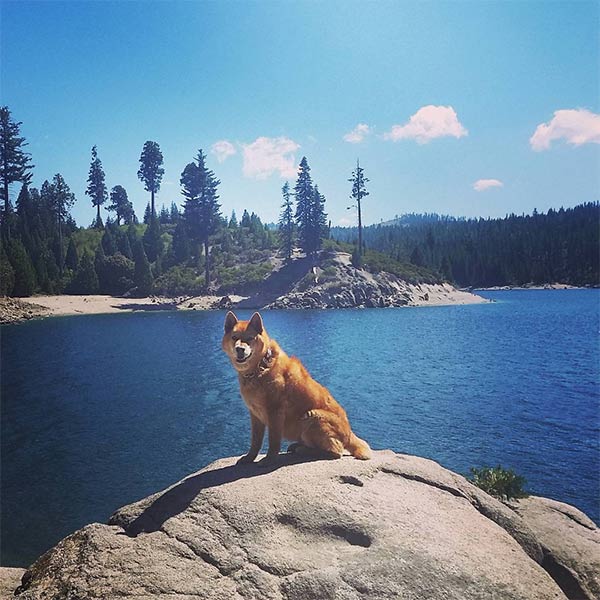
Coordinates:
<point>245,342</point>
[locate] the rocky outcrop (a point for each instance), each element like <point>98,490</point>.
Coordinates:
<point>13,310</point>
<point>396,526</point>
<point>337,284</point>
<point>10,578</point>
<point>569,541</point>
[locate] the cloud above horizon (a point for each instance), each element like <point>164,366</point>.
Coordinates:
<point>265,156</point>
<point>485,184</point>
<point>577,126</point>
<point>428,123</point>
<point>223,149</point>
<point>358,134</point>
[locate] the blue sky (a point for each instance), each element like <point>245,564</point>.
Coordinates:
<point>433,97</point>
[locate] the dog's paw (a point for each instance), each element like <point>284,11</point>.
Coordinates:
<point>294,447</point>
<point>245,460</point>
<point>268,461</point>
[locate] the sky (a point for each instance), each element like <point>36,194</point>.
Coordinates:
<point>461,108</point>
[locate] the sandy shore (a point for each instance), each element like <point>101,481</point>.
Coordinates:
<point>13,310</point>
<point>91,305</point>
<point>545,286</point>
<point>442,295</point>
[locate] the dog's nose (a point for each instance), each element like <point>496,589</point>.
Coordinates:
<point>240,351</point>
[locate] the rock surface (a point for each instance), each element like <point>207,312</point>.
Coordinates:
<point>570,543</point>
<point>10,578</point>
<point>13,310</point>
<point>396,526</point>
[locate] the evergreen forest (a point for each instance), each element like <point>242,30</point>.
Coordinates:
<point>558,246</point>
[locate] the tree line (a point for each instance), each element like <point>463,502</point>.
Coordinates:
<point>558,246</point>
<point>43,250</point>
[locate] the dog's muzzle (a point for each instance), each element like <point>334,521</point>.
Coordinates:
<point>242,353</point>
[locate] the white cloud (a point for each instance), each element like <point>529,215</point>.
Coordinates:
<point>223,150</point>
<point>428,123</point>
<point>576,126</point>
<point>358,134</point>
<point>485,184</point>
<point>265,156</point>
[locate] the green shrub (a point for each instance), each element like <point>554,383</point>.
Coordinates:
<point>85,280</point>
<point>115,274</point>
<point>238,279</point>
<point>501,483</point>
<point>179,281</point>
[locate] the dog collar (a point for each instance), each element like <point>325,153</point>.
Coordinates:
<point>264,364</point>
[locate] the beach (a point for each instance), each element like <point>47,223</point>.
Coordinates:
<point>18,309</point>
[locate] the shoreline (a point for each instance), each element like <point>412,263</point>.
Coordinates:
<point>543,286</point>
<point>15,310</point>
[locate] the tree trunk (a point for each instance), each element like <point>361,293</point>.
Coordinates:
<point>60,246</point>
<point>6,216</point>
<point>206,265</point>
<point>152,202</point>
<point>360,244</point>
<point>98,216</point>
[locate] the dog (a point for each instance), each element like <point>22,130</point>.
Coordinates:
<point>282,397</point>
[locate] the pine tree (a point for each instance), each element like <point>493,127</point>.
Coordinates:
<point>124,245</point>
<point>26,212</point>
<point>121,205</point>
<point>245,222</point>
<point>142,274</point>
<point>153,244</point>
<point>132,235</point>
<point>174,216</point>
<point>25,279</point>
<point>151,172</point>
<point>286,223</point>
<point>233,222</point>
<point>164,217</point>
<point>108,241</point>
<point>62,200</point>
<point>359,191</point>
<point>303,191</point>
<point>318,221</point>
<point>72,259</point>
<point>201,210</point>
<point>181,243</point>
<point>15,164</point>
<point>147,214</point>
<point>96,188</point>
<point>7,274</point>
<point>85,280</point>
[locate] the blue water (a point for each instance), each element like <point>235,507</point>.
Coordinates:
<point>99,411</point>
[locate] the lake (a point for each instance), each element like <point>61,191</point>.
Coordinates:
<point>100,411</point>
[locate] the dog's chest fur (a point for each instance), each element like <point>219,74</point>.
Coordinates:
<point>262,394</point>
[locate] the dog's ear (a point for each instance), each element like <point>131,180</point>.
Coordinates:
<point>256,323</point>
<point>230,321</point>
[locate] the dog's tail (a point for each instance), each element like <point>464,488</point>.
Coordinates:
<point>358,448</point>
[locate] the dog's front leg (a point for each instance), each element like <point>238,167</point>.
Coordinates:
<point>276,420</point>
<point>258,434</point>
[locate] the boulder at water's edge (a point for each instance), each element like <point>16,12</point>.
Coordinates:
<point>396,526</point>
